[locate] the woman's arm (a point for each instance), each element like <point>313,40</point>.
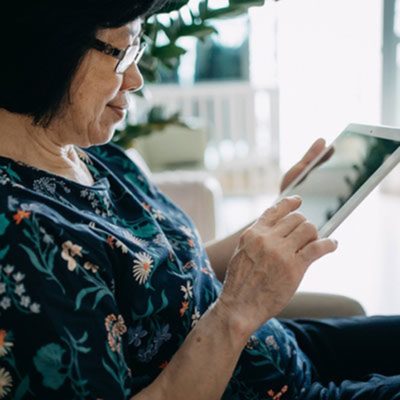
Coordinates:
<point>264,273</point>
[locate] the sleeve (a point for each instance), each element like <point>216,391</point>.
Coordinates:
<point>61,333</point>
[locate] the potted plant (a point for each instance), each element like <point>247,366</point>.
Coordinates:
<point>167,55</point>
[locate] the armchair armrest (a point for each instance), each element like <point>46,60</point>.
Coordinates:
<point>198,193</point>
<point>322,305</point>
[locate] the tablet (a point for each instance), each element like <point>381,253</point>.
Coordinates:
<point>338,180</point>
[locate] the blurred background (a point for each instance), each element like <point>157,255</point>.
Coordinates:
<point>237,91</point>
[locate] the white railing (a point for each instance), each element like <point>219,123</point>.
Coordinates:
<point>242,125</point>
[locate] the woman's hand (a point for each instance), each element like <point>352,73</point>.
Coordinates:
<point>269,264</point>
<point>317,147</point>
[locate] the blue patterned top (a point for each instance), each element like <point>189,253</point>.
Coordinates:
<point>100,285</point>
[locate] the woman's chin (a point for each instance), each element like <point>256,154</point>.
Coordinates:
<point>101,136</point>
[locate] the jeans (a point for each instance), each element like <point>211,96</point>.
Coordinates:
<point>354,358</point>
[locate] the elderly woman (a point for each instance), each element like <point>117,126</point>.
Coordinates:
<point>106,291</point>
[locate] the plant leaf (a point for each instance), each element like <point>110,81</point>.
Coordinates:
<point>100,294</point>
<point>82,294</point>
<point>197,30</point>
<point>4,222</point>
<point>33,258</point>
<point>4,252</point>
<point>168,51</point>
<point>247,3</point>
<point>225,12</point>
<point>22,388</point>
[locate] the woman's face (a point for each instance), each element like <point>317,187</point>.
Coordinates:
<point>98,95</point>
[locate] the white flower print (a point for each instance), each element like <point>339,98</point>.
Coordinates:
<point>158,215</point>
<point>8,269</point>
<point>45,185</point>
<point>48,239</point>
<point>25,301</point>
<point>121,246</point>
<point>35,308</point>
<point>134,239</point>
<point>13,291</point>
<point>142,267</point>
<point>190,265</point>
<point>186,230</point>
<point>12,203</point>
<point>18,277</point>
<point>4,179</point>
<point>5,382</point>
<point>271,342</point>
<point>187,290</point>
<point>19,289</point>
<point>195,317</point>
<point>5,303</point>
<point>159,239</point>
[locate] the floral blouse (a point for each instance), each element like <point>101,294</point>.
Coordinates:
<point>100,285</point>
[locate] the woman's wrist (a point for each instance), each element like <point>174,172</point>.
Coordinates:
<point>237,328</point>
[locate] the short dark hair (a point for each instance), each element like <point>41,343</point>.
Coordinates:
<point>44,42</point>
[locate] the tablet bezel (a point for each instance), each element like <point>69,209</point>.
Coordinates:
<point>362,192</point>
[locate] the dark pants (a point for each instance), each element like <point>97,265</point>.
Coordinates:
<point>354,358</point>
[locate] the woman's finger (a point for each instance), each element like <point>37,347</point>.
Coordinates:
<point>316,249</point>
<point>303,234</point>
<point>316,148</point>
<point>284,206</point>
<point>289,223</point>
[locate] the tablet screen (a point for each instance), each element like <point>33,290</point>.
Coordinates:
<point>349,162</point>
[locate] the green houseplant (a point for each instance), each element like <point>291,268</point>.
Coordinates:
<point>169,23</point>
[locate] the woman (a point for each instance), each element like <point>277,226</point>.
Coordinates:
<point>106,291</point>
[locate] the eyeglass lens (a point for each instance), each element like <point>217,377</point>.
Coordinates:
<point>132,55</point>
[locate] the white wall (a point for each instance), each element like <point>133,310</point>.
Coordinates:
<point>329,63</point>
<point>326,57</point>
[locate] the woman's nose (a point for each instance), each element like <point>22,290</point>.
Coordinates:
<point>133,79</point>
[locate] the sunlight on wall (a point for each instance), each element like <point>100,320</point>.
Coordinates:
<point>326,59</point>
<point>329,64</point>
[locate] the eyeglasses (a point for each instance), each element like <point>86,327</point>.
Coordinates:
<point>126,57</point>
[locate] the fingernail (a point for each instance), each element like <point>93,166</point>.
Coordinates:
<point>296,197</point>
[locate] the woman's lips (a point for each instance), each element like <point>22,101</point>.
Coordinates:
<point>120,112</point>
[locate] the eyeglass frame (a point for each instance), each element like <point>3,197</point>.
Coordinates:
<point>119,54</point>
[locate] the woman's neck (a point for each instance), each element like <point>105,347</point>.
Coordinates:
<point>40,147</point>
